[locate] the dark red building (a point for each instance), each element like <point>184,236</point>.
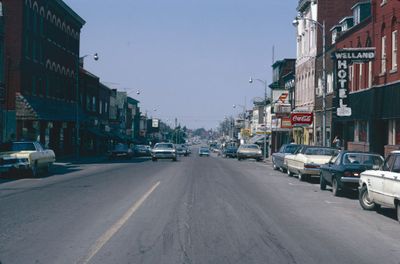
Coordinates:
<point>374,87</point>
<point>42,57</point>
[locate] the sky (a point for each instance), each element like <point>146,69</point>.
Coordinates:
<point>190,59</point>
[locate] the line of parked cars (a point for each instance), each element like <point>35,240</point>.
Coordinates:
<point>376,179</point>
<point>244,151</point>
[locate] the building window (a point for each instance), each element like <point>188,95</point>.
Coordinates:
<point>370,74</point>
<point>360,79</point>
<point>394,50</point>
<point>100,107</point>
<point>383,55</point>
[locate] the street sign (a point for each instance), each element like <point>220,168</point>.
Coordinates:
<point>343,111</point>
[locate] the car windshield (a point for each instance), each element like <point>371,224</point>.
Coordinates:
<point>320,151</point>
<point>164,146</point>
<point>364,159</point>
<point>291,149</point>
<point>23,146</point>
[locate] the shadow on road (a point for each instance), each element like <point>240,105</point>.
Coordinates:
<point>65,166</point>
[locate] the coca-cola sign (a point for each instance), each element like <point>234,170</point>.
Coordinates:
<point>301,119</point>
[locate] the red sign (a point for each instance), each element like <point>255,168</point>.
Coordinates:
<point>301,118</point>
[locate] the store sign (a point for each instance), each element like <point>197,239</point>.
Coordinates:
<point>344,58</point>
<point>281,110</point>
<point>298,119</point>
<point>154,123</point>
<point>286,122</point>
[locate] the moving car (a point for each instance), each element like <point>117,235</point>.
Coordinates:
<point>382,187</point>
<point>249,151</point>
<point>204,151</point>
<point>17,154</point>
<point>306,161</point>
<point>164,151</point>
<point>142,151</point>
<point>343,170</point>
<point>278,158</point>
<point>182,150</point>
<point>230,152</point>
<point>121,151</point>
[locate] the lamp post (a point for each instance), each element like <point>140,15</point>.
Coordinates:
<point>77,127</point>
<point>322,26</point>
<point>265,112</point>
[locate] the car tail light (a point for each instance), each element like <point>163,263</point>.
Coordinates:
<point>351,174</point>
<point>311,166</point>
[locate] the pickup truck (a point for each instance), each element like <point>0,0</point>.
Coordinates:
<point>381,187</point>
<point>35,158</point>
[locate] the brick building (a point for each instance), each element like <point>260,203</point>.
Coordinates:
<point>374,87</point>
<point>42,53</point>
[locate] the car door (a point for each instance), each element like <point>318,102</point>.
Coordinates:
<point>376,179</point>
<point>391,180</point>
<point>332,168</point>
<point>40,155</point>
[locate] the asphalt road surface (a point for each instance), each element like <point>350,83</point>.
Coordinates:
<point>196,210</point>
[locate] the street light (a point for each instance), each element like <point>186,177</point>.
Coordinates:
<point>265,112</point>
<point>77,127</point>
<point>323,28</point>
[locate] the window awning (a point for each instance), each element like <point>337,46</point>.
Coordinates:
<point>39,108</point>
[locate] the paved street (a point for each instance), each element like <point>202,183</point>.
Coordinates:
<point>196,210</point>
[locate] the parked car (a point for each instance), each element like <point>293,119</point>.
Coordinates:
<point>343,171</point>
<point>278,158</point>
<point>10,165</point>
<point>306,161</point>
<point>164,151</point>
<point>142,151</point>
<point>249,151</point>
<point>121,151</point>
<point>18,153</point>
<point>204,151</point>
<point>382,187</point>
<point>230,152</point>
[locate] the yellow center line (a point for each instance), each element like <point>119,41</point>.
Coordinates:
<point>115,227</point>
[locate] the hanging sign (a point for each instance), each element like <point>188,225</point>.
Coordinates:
<point>344,58</point>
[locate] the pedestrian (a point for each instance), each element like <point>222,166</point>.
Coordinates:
<point>337,142</point>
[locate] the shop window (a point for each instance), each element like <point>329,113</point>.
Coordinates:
<point>363,131</point>
<point>397,132</point>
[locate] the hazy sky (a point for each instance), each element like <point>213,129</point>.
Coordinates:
<point>191,59</point>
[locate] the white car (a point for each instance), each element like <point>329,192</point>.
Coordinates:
<point>306,161</point>
<point>382,187</point>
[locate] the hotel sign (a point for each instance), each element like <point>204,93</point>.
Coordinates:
<point>344,58</point>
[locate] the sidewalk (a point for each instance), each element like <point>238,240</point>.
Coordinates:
<point>82,159</point>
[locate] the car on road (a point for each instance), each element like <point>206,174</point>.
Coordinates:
<point>382,187</point>
<point>18,153</point>
<point>249,151</point>
<point>142,151</point>
<point>10,166</point>
<point>204,151</point>
<point>306,161</point>
<point>121,151</point>
<point>164,151</point>
<point>182,150</point>
<point>230,152</point>
<point>343,171</point>
<point>278,158</point>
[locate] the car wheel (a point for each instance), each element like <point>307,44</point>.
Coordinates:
<point>302,177</point>
<point>365,201</point>
<point>153,159</point>
<point>322,182</point>
<point>274,165</point>
<point>174,159</point>
<point>335,188</point>
<point>398,211</point>
<point>289,173</point>
<point>34,171</point>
